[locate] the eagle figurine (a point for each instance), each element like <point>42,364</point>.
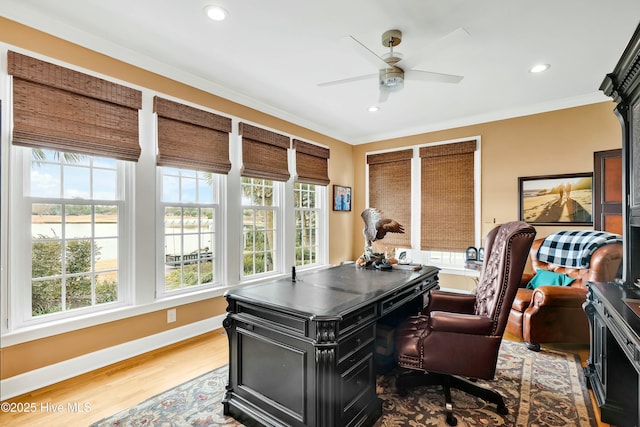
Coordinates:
<point>376,226</point>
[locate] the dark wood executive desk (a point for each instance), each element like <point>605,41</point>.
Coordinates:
<point>302,353</point>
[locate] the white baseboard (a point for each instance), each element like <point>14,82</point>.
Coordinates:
<point>42,377</point>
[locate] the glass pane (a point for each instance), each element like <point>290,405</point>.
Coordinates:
<point>75,159</point>
<point>105,162</point>
<point>106,215</point>
<point>269,220</point>
<point>267,193</point>
<point>78,292</point>
<point>104,184</point>
<point>172,220</point>
<point>46,221</point>
<point>170,188</point>
<point>45,180</point>
<point>77,221</point>
<point>248,264</point>
<point>173,250</point>
<point>206,220</point>
<point>188,173</point>
<point>312,198</point>
<point>173,279</point>
<point>107,287</point>
<point>206,246</point>
<point>205,188</point>
<point>206,272</point>
<point>106,254</point>
<point>78,256</point>
<point>46,258</point>
<point>260,263</point>
<point>46,297</point>
<point>188,190</point>
<point>77,182</point>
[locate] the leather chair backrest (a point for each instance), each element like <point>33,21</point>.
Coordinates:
<point>603,266</point>
<point>506,249</point>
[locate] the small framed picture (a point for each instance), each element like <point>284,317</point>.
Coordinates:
<point>341,198</point>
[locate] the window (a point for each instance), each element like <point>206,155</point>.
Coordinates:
<point>190,209</point>
<point>76,204</point>
<point>260,212</point>
<point>440,190</point>
<point>307,204</point>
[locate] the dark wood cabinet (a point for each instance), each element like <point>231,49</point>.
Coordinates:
<point>613,368</point>
<point>303,353</point>
<point>623,85</point>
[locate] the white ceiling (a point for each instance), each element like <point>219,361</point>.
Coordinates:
<point>271,55</point>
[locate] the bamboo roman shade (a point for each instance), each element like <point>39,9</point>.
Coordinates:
<point>264,153</point>
<point>311,163</point>
<point>191,138</point>
<point>447,187</point>
<point>62,109</point>
<point>390,191</point>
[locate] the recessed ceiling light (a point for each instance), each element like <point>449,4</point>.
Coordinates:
<point>539,68</point>
<point>215,12</point>
<point>373,109</point>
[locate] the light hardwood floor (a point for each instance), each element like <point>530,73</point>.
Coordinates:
<point>125,384</point>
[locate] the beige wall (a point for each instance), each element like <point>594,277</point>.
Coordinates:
<point>556,142</point>
<point>550,143</point>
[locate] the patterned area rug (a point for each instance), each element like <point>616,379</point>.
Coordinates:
<point>540,389</point>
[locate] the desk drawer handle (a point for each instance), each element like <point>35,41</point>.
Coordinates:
<point>358,341</point>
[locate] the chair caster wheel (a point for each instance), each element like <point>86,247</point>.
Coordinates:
<point>533,347</point>
<point>451,420</point>
<point>503,410</point>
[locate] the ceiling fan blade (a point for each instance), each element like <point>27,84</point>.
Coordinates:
<point>366,53</point>
<point>428,76</point>
<point>384,95</point>
<point>457,36</point>
<point>349,80</point>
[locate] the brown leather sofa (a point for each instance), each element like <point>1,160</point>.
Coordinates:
<point>554,314</point>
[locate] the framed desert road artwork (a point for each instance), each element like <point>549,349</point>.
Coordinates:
<point>557,199</point>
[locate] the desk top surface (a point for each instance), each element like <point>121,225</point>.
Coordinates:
<point>331,291</point>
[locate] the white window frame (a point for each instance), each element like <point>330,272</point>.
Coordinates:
<point>20,243</point>
<point>321,226</point>
<point>279,234</point>
<point>215,205</point>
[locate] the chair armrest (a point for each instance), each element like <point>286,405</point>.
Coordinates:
<point>558,296</point>
<point>526,278</point>
<point>449,301</point>
<point>441,321</point>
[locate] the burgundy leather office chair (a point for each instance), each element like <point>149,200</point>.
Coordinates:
<point>458,336</point>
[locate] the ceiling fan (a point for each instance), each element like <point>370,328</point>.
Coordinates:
<point>393,69</point>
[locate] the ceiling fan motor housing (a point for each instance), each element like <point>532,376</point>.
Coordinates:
<point>392,78</point>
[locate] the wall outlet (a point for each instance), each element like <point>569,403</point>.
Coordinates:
<point>171,315</point>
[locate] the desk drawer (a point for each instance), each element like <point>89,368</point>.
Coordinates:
<point>400,297</point>
<point>359,317</point>
<point>348,349</point>
<point>357,385</point>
